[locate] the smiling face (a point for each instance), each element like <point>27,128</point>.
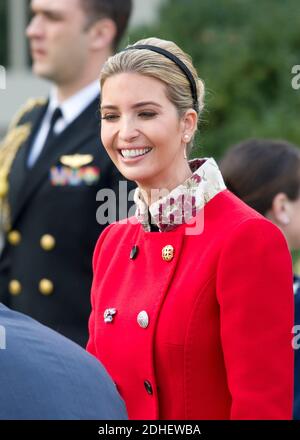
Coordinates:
<point>142,132</point>
<point>58,40</point>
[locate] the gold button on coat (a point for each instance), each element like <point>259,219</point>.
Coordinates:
<point>14,237</point>
<point>143,319</point>
<point>15,287</point>
<point>47,242</point>
<point>46,287</point>
<point>168,253</point>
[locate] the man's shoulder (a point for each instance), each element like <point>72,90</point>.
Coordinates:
<point>39,362</point>
<point>28,110</point>
<point>22,329</point>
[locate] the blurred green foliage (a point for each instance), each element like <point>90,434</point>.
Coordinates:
<point>296,261</point>
<point>3,33</point>
<point>244,50</point>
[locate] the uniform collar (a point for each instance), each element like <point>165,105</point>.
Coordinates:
<point>183,202</point>
<point>74,106</point>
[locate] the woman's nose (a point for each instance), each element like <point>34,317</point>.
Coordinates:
<point>128,130</point>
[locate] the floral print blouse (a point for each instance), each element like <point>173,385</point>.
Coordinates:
<point>182,203</point>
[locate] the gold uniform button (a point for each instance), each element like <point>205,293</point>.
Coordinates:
<point>14,237</point>
<point>46,287</point>
<point>168,253</point>
<point>15,287</point>
<point>47,242</point>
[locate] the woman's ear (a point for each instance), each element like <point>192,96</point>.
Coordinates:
<point>102,34</point>
<point>189,124</point>
<point>280,212</point>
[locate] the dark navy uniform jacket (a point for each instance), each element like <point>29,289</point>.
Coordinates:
<point>46,376</point>
<point>45,268</point>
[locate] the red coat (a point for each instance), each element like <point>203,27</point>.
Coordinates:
<point>218,343</point>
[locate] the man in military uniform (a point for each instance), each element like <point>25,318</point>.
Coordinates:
<point>52,165</point>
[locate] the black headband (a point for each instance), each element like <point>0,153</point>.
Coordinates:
<point>178,62</point>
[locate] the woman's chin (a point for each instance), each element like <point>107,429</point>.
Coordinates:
<point>139,176</point>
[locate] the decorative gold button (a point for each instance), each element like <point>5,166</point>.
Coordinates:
<point>14,237</point>
<point>143,319</point>
<point>168,253</point>
<point>47,242</point>
<point>46,287</point>
<point>15,287</point>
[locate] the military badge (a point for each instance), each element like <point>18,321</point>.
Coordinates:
<point>65,176</point>
<point>74,172</point>
<point>76,160</point>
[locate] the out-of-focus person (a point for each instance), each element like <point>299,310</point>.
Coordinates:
<point>265,173</point>
<point>46,376</point>
<point>52,164</point>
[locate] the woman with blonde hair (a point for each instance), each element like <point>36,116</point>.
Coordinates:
<point>182,316</point>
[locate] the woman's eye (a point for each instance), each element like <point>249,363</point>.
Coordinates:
<point>147,114</point>
<point>109,117</point>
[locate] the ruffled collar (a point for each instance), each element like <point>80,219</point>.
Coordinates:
<point>182,203</point>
